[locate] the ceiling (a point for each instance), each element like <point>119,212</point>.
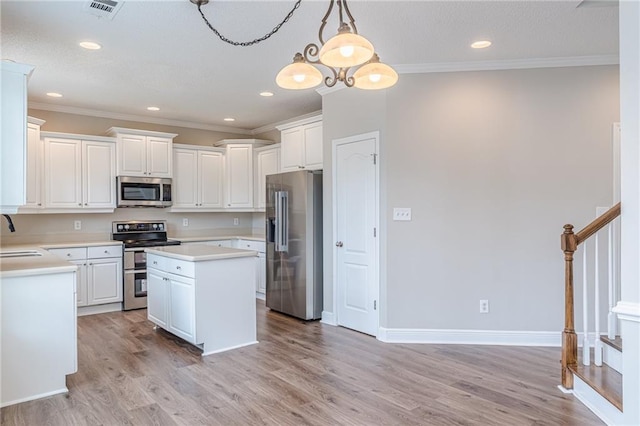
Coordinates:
<point>161,53</point>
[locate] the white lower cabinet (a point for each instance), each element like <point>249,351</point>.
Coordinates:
<point>182,317</point>
<point>99,273</point>
<point>261,286</point>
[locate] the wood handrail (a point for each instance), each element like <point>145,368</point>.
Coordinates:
<point>600,222</point>
<point>569,242</point>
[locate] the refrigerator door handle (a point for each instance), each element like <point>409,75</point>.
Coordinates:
<point>278,221</point>
<point>284,227</point>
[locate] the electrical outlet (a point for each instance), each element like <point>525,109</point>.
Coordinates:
<point>235,221</point>
<point>402,213</point>
<point>185,221</point>
<point>484,306</point>
<point>77,225</point>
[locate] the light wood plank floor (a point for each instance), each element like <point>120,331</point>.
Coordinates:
<point>299,374</point>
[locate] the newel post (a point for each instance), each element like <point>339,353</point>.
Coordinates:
<point>569,245</point>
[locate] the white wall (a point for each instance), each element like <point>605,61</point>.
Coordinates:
<point>493,164</point>
<point>630,196</point>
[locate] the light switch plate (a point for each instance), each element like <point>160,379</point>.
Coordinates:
<point>401,213</point>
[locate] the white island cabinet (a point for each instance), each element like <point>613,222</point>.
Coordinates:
<point>203,294</point>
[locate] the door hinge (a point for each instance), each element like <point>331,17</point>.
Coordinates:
<point>374,232</point>
<point>375,158</point>
<point>375,305</point>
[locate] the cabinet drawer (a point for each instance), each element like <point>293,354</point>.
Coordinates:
<point>180,267</point>
<point>258,246</point>
<point>72,253</point>
<point>220,243</point>
<point>156,262</point>
<point>104,251</point>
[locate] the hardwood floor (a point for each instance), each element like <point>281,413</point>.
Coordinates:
<point>299,374</point>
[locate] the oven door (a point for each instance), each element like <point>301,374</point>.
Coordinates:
<point>135,289</point>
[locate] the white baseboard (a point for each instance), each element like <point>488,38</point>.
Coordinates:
<point>260,296</point>
<point>99,309</point>
<point>328,318</point>
<point>595,402</point>
<point>470,337</point>
<point>34,397</point>
<point>217,351</point>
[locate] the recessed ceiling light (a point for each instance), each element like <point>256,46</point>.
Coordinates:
<point>54,95</point>
<point>153,108</point>
<point>481,44</point>
<point>229,119</point>
<point>90,45</point>
<point>266,94</point>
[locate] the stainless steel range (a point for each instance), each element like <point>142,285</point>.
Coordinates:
<point>136,236</point>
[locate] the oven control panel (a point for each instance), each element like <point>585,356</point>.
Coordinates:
<point>140,226</point>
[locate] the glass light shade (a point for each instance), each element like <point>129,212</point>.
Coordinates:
<point>346,50</point>
<point>375,75</point>
<point>299,75</point>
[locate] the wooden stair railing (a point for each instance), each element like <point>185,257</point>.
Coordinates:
<point>569,244</point>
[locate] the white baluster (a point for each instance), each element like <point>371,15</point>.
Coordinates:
<point>597,358</point>
<point>611,317</point>
<point>586,355</point>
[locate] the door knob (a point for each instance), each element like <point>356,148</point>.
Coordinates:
<point>339,244</point>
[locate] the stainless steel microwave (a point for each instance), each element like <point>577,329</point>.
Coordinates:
<point>143,191</point>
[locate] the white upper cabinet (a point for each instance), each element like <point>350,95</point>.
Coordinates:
<point>79,173</point>
<point>301,145</point>
<point>34,164</point>
<point>267,162</point>
<point>197,178</point>
<point>13,141</point>
<point>143,153</point>
<point>239,171</point>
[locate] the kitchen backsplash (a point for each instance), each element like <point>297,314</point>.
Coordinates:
<point>52,228</point>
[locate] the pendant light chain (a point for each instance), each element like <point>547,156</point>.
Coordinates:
<point>256,41</point>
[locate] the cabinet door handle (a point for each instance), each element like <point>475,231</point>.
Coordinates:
<point>339,244</point>
<point>86,204</point>
<point>178,268</point>
<point>80,204</point>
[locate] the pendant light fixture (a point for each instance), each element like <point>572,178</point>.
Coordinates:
<point>339,54</point>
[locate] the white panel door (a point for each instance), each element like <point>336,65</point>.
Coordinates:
<point>132,155</point>
<point>157,297</point>
<point>34,173</point>
<point>313,146</point>
<point>291,149</point>
<point>355,221</point>
<point>99,174</point>
<point>185,179</point>
<point>159,157</point>
<point>268,164</point>
<point>239,175</point>
<point>211,176</point>
<point>63,173</point>
<point>104,281</point>
<point>81,282</point>
<point>182,313</point>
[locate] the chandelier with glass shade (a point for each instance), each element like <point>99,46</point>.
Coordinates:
<point>339,55</point>
<point>348,56</point>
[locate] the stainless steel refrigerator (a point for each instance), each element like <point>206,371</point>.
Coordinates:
<point>294,243</point>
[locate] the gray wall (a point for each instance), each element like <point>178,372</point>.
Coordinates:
<point>492,164</point>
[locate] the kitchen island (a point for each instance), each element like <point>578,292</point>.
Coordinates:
<point>39,331</point>
<point>203,294</point>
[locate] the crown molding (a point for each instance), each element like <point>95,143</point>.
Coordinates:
<point>274,126</point>
<point>513,64</point>
<point>137,118</point>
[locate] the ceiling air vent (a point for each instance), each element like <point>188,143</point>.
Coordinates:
<point>103,8</point>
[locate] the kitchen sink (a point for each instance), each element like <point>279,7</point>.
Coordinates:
<point>20,253</point>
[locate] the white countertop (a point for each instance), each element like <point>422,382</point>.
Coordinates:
<point>199,252</point>
<point>47,263</point>
<point>252,237</point>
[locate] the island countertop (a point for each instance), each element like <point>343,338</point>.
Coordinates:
<point>200,252</point>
